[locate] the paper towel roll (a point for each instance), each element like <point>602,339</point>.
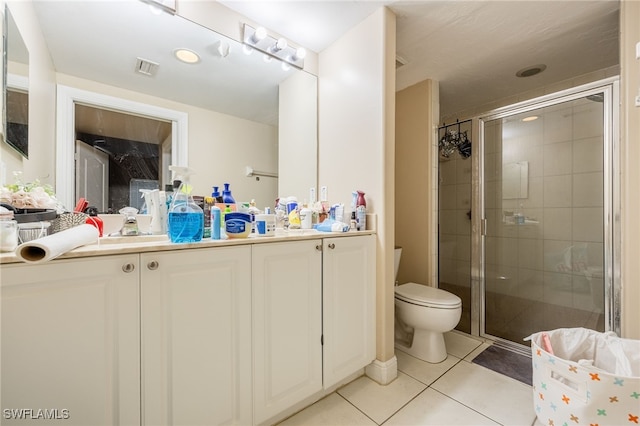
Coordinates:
<point>52,246</point>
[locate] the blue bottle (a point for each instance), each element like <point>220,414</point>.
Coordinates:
<point>216,222</point>
<point>186,218</point>
<point>227,198</point>
<point>216,194</point>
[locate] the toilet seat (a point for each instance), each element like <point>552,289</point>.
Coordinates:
<point>427,296</point>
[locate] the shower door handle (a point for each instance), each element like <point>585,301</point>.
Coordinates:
<point>483,227</point>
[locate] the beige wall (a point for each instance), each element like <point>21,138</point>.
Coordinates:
<point>630,153</point>
<point>356,140</point>
<point>415,174</point>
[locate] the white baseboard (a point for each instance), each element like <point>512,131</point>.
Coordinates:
<point>383,372</point>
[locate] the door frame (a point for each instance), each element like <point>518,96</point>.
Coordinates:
<point>67,97</point>
<point>612,201</point>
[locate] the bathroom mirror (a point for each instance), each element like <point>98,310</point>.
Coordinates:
<point>15,119</point>
<point>107,43</point>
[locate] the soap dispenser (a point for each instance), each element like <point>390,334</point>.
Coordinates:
<point>186,218</point>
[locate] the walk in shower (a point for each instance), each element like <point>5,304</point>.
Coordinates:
<point>528,225</point>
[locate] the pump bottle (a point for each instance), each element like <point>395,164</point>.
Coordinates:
<point>186,218</point>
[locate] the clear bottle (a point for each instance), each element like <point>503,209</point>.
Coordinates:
<point>8,231</point>
<point>186,218</point>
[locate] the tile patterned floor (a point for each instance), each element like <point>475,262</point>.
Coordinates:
<point>453,392</point>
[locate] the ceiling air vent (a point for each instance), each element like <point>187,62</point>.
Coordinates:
<point>146,67</point>
<point>400,62</point>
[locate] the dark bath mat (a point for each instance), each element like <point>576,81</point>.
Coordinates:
<point>506,362</point>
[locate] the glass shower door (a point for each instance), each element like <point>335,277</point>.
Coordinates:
<point>544,180</point>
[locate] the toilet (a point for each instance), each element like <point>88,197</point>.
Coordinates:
<point>423,315</point>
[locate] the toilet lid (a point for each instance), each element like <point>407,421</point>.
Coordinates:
<point>427,296</point>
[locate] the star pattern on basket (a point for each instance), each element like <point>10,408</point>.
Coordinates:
<point>565,399</point>
<point>613,399</point>
<point>635,395</point>
<point>595,376</point>
<point>633,419</point>
<point>619,382</point>
<point>573,368</point>
<point>602,412</point>
<point>574,419</point>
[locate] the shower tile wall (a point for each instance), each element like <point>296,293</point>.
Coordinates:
<point>547,272</point>
<point>455,232</point>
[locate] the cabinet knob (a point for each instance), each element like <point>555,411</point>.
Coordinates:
<point>319,247</point>
<point>128,267</point>
<point>153,265</point>
<point>332,246</point>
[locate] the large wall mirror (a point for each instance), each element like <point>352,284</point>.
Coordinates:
<point>129,47</point>
<point>16,94</point>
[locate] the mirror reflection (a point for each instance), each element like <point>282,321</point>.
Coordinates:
<point>232,99</point>
<point>16,119</point>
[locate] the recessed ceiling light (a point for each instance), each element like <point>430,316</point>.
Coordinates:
<point>530,118</point>
<point>531,71</point>
<point>187,56</point>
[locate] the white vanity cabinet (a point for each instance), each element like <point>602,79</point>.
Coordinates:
<point>313,318</point>
<point>287,325</point>
<point>196,336</point>
<point>348,307</point>
<point>232,334</point>
<point>71,342</point>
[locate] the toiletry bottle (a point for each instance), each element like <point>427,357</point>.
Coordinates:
<point>208,204</point>
<point>306,217</point>
<point>94,220</point>
<point>216,222</point>
<point>216,194</point>
<point>8,231</point>
<point>361,212</point>
<point>227,198</point>
<point>353,224</point>
<point>186,219</point>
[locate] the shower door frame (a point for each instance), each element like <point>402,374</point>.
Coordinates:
<point>612,224</point>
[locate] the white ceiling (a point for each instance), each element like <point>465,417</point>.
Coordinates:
<point>473,48</point>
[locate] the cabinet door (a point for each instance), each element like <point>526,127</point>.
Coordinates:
<point>349,296</point>
<point>287,325</point>
<point>196,336</point>
<point>71,342</point>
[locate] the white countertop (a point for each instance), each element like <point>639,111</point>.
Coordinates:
<point>104,248</point>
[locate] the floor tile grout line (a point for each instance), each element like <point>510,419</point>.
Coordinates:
<point>464,405</point>
<point>356,407</point>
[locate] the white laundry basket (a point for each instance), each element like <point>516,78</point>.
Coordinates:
<point>591,378</point>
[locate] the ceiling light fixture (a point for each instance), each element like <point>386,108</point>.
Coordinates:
<point>257,38</point>
<point>531,71</point>
<point>187,56</point>
<point>530,118</point>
